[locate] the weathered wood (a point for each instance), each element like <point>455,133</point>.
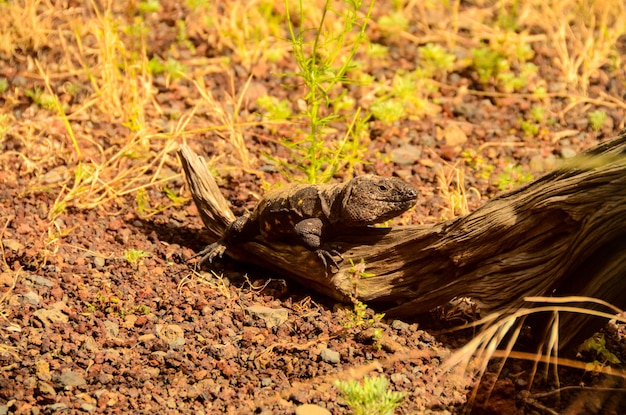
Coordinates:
<point>564,233</point>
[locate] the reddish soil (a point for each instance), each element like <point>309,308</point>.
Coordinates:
<point>85,329</point>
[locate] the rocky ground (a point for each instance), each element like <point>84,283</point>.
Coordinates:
<point>100,313</point>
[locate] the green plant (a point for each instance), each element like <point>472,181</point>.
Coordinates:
<point>370,397</point>
<point>529,128</point>
<point>173,68</point>
<point>538,113</point>
<point>324,63</point>
<point>508,14</point>
<point>435,59</point>
<point>406,96</point>
<point>142,309</point>
<point>482,169</point>
<point>532,126</point>
<point>358,270</point>
<point>148,6</point>
<point>487,63</point>
<point>511,176</point>
<point>107,303</point>
<point>274,109</point>
<point>388,111</point>
<point>358,316</point>
<point>393,23</point>
<point>41,98</point>
<point>378,51</point>
<point>595,346</point>
<point>596,119</point>
<point>145,209</point>
<point>4,85</point>
<point>504,64</point>
<point>134,255</point>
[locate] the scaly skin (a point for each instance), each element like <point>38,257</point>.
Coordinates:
<point>311,215</point>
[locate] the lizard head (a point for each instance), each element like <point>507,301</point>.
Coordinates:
<point>373,199</point>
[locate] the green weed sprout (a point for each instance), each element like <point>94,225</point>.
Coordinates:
<point>596,119</point>
<point>370,397</point>
<point>511,176</point>
<point>388,111</point>
<point>435,59</point>
<point>393,23</point>
<point>595,346</point>
<point>273,108</point>
<point>323,64</point>
<point>134,255</point>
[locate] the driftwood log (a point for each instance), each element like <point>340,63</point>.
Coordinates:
<point>562,234</point>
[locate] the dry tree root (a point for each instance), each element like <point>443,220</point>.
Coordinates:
<point>562,234</point>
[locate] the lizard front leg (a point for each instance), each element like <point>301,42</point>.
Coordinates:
<point>310,233</point>
<point>237,232</point>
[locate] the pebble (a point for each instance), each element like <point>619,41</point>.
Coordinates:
<point>550,162</point>
<point>330,356</point>
<point>265,382</point>
<point>407,154</point>
<point>70,378</point>
<point>6,281</point>
<point>273,317</point>
<point>90,345</point>
<point>310,409</point>
<point>4,409</point>
<point>129,321</point>
<point>399,325</point>
<point>399,378</point>
<point>98,261</point>
<point>177,343</point>
<point>56,175</point>
<point>39,280</point>
<point>57,407</point>
<point>51,316</point>
<point>171,334</point>
<point>42,368</point>
<point>536,164</point>
<point>453,135</point>
<point>87,407</point>
<point>12,244</point>
<point>112,328</point>
<point>31,297</point>
<point>567,152</point>
<point>145,338</point>
<point>45,388</point>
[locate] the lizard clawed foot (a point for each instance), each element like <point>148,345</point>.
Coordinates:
<point>211,251</point>
<point>327,258</point>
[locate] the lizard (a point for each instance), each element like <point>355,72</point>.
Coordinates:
<point>311,214</point>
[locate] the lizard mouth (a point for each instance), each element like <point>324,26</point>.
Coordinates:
<point>407,198</point>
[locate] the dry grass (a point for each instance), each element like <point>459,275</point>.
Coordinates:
<point>583,33</point>
<point>102,63</point>
<point>26,25</point>
<point>501,332</point>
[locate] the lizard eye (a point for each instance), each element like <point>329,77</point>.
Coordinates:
<point>382,187</point>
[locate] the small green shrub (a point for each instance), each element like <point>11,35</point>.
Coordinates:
<point>393,23</point>
<point>273,108</point>
<point>325,56</point>
<point>595,347</point>
<point>511,176</point>
<point>388,111</point>
<point>134,255</point>
<point>596,119</point>
<point>436,59</point>
<point>370,397</point>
